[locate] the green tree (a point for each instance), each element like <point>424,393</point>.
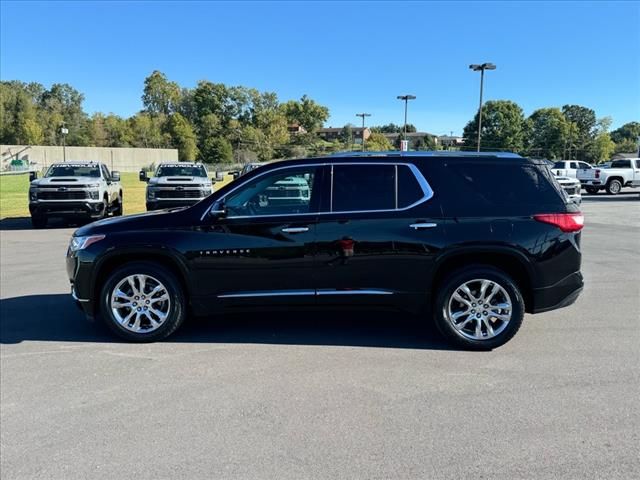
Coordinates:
<point>628,131</point>
<point>503,127</point>
<point>147,131</point>
<point>216,150</point>
<point>160,96</point>
<point>377,142</point>
<point>346,136</point>
<point>182,137</point>
<point>585,120</point>
<point>549,133</point>
<point>306,113</point>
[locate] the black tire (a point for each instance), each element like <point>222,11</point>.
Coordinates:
<point>614,186</point>
<point>119,206</point>
<point>38,221</point>
<point>177,309</point>
<point>592,190</point>
<point>449,286</point>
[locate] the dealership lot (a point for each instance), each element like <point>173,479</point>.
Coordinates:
<point>338,395</point>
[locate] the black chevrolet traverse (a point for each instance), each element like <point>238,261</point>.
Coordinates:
<point>472,241</point>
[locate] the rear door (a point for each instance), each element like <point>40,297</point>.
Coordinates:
<point>377,237</point>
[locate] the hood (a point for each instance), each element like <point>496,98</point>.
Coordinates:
<point>158,219</point>
<point>168,181</point>
<point>56,181</point>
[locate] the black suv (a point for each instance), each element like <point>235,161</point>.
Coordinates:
<point>472,240</point>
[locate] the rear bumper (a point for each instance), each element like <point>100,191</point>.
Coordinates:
<point>591,183</point>
<point>562,294</point>
<point>66,209</point>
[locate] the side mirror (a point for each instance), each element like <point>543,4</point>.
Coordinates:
<point>143,176</point>
<point>32,176</point>
<point>218,210</point>
<point>219,176</point>
<point>235,174</point>
<point>115,176</point>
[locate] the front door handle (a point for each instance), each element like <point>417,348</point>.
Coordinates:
<point>295,229</point>
<point>422,225</point>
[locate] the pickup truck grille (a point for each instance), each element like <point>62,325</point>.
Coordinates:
<point>68,195</point>
<point>179,194</point>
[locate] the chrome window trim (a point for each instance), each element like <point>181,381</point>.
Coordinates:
<point>305,293</point>
<point>424,185</point>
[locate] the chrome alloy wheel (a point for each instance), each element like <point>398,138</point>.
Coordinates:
<point>479,309</point>
<point>140,303</point>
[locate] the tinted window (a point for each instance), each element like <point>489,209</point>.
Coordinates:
<point>621,164</point>
<point>574,165</point>
<point>282,192</point>
<point>558,165</point>
<point>479,189</point>
<point>363,187</point>
<point>409,190</point>
<point>637,163</point>
<point>584,165</point>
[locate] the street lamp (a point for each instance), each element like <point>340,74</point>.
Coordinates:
<point>406,99</point>
<point>481,69</point>
<point>363,115</point>
<point>64,131</point>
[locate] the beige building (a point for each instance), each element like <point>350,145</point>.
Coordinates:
<point>38,157</point>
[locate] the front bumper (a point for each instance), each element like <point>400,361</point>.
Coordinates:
<point>562,294</point>
<point>80,208</point>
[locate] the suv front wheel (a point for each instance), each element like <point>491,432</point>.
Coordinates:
<point>479,308</point>
<point>142,302</point>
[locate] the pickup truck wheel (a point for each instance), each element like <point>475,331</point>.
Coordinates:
<point>592,190</point>
<point>117,211</point>
<point>38,221</point>
<point>478,308</point>
<point>142,302</point>
<point>614,186</point>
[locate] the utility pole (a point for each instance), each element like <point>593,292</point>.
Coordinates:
<point>64,131</point>
<point>481,69</point>
<point>363,115</point>
<point>406,99</point>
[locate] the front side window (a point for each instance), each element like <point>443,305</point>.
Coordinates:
<point>71,170</point>
<point>574,165</point>
<point>558,165</point>
<point>637,163</point>
<point>282,192</point>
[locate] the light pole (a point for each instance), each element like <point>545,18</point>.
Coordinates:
<point>363,115</point>
<point>481,69</point>
<point>406,99</point>
<point>64,131</point>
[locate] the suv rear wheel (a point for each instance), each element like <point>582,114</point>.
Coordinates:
<point>479,308</point>
<point>142,302</point>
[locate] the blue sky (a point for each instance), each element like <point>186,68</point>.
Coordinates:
<point>351,57</point>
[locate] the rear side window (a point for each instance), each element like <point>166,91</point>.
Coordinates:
<point>621,164</point>
<point>363,187</point>
<point>409,190</point>
<point>485,189</point>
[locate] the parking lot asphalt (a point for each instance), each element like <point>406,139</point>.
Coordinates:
<point>340,395</point>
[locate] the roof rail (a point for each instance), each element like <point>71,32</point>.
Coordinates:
<point>429,153</point>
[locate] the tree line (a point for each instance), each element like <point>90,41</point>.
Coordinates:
<point>570,132</point>
<point>217,123</point>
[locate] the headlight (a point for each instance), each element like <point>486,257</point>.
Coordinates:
<point>151,194</point>
<point>80,243</point>
<point>93,185</point>
<point>94,194</point>
<point>33,194</point>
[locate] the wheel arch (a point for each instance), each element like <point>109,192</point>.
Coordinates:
<point>513,263</point>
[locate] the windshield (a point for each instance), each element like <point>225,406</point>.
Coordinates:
<point>72,170</point>
<point>181,171</point>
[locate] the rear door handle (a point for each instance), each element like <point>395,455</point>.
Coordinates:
<point>295,229</point>
<point>422,226</point>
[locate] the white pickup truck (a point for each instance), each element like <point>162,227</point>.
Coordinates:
<point>569,168</point>
<point>621,173</point>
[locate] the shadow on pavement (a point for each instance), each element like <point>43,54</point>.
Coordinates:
<point>633,195</point>
<point>24,223</point>
<point>55,318</point>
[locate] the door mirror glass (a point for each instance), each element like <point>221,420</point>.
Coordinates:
<point>218,210</point>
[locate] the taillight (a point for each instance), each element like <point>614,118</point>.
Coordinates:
<point>567,222</point>
<point>597,173</point>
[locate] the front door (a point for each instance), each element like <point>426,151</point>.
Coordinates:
<point>377,245</point>
<point>260,251</point>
